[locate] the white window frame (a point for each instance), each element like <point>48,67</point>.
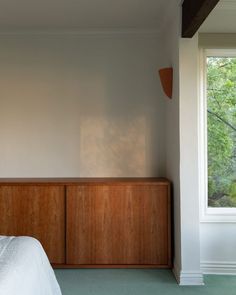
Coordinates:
<point>209,214</point>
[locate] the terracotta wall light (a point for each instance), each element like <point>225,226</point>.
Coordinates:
<point>166,77</point>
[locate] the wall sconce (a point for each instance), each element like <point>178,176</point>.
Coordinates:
<point>166,77</point>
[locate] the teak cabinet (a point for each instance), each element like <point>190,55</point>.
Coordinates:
<point>37,211</point>
<point>91,222</point>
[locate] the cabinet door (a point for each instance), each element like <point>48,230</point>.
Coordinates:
<point>36,211</point>
<point>118,225</point>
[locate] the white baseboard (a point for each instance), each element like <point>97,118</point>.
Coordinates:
<point>219,267</point>
<point>188,278</point>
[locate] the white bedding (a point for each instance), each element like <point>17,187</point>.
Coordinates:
<point>25,269</point>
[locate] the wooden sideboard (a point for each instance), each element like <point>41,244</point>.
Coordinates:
<point>109,222</point>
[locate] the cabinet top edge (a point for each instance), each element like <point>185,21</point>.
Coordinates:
<point>87,181</point>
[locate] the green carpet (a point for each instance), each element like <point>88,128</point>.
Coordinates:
<point>137,282</point>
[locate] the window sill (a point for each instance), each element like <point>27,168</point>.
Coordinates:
<point>219,215</point>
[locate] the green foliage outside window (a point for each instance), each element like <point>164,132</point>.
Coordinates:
<point>221,120</point>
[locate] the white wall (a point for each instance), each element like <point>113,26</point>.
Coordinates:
<point>189,169</point>
<point>218,239</point>
<point>218,244</point>
<point>182,152</point>
<point>81,105</point>
<point>210,245</point>
<point>173,132</point>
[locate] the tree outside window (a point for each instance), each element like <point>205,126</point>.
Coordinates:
<point>221,131</point>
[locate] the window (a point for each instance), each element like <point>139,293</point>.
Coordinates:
<point>220,132</point>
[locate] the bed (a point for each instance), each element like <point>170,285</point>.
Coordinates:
<point>25,269</point>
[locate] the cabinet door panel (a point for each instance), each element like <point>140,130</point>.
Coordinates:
<point>36,211</point>
<point>118,224</point>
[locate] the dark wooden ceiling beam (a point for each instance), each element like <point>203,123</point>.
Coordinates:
<point>194,12</point>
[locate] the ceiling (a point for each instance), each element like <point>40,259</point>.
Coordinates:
<point>222,19</point>
<point>83,14</point>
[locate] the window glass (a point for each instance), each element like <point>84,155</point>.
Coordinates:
<point>221,131</point>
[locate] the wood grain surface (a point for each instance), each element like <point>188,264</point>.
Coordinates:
<point>92,222</point>
<point>84,181</point>
<point>38,212</point>
<point>116,224</point>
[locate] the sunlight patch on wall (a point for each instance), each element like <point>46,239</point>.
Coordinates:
<point>113,147</point>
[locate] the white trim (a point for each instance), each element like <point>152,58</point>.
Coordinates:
<point>220,52</point>
<point>216,215</point>
<point>224,215</point>
<point>188,278</point>
<point>219,267</point>
<point>203,138</point>
<point>191,279</point>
